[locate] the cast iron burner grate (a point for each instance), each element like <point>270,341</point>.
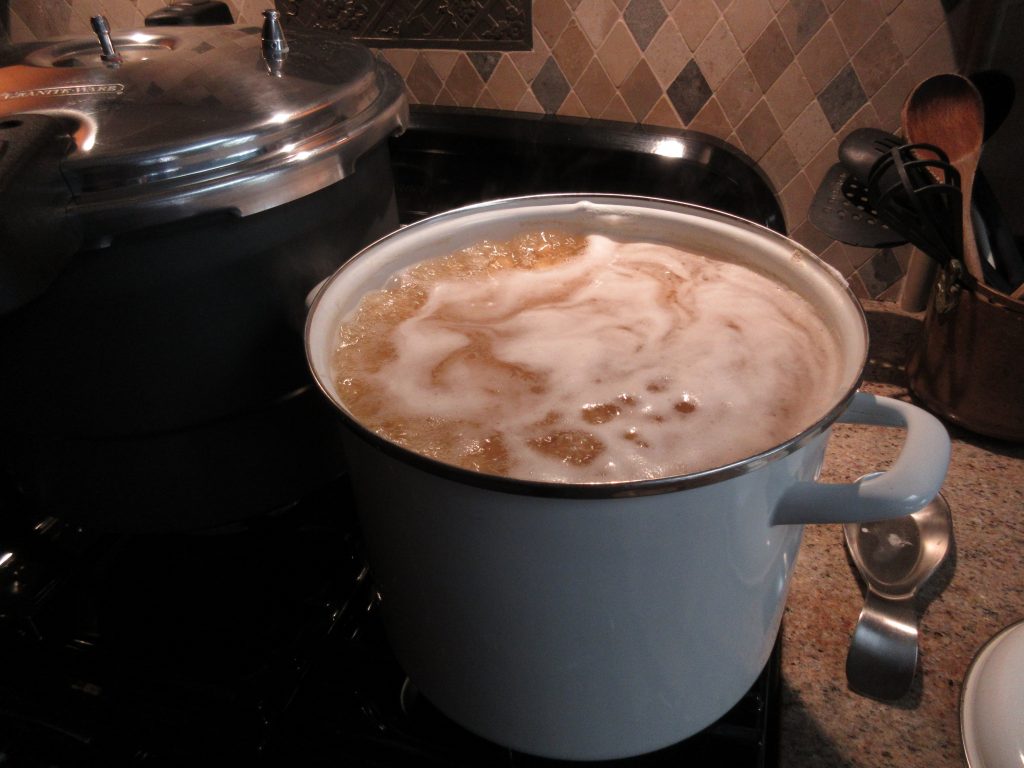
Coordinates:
<point>158,649</point>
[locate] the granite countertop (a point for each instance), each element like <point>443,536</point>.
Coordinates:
<point>978,590</point>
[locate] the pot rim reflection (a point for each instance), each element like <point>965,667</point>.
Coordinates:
<point>586,490</point>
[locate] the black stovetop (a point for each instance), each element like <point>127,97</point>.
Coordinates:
<point>257,642</point>
<point>450,157</point>
<point>260,641</point>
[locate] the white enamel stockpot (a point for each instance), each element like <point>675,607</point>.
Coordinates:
<point>603,621</point>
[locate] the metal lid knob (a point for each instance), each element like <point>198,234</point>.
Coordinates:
<point>275,46</point>
<point>101,27</point>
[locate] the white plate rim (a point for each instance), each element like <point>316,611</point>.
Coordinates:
<point>972,756</point>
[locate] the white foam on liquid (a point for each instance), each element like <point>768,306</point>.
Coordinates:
<point>641,326</point>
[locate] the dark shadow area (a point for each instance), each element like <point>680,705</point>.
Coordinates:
<point>892,337</point>
<point>806,745</point>
<point>990,444</point>
<point>5,22</point>
<point>986,36</point>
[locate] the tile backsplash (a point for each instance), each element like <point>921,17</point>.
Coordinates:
<point>783,80</point>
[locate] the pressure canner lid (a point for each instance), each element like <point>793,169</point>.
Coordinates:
<point>173,121</point>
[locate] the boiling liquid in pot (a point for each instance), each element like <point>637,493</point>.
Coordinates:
<point>575,358</point>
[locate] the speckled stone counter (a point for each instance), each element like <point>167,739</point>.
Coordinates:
<point>977,591</point>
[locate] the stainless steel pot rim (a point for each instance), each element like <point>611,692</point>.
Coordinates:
<point>614,489</point>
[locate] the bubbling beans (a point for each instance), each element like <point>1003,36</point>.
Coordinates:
<point>564,357</point>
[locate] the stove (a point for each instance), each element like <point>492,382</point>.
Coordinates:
<point>260,641</point>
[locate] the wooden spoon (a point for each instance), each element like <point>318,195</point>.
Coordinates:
<point>947,111</point>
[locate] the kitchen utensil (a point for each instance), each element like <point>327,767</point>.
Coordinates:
<point>947,111</point>
<point>585,621</point>
<point>895,558</point>
<point>920,198</point>
<point>846,207</point>
<point>869,155</point>
<point>879,195</point>
<point>992,702</point>
<point>862,148</point>
<point>841,209</point>
<point>161,382</point>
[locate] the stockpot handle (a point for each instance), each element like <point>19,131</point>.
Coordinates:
<point>912,481</point>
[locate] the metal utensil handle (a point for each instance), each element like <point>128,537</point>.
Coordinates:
<point>883,654</point>
<point>913,480</point>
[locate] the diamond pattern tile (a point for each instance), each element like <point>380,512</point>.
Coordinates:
<point>711,120</point>
<point>506,85</point>
<point>758,131</point>
<point>857,20</point>
<point>529,63</point>
<point>572,53</point>
<point>695,18</point>
<point>596,18</point>
<point>739,93</point>
<point>441,62</point>
<point>822,58</point>
<point>423,83</point>
<point>842,98</point>
<point>689,92</point>
<point>641,90</point>
<point>594,89</point>
<point>878,60</point>
<point>550,17</point>
<point>800,20</point>
<point>747,19</point>
<point>464,83</point>
<point>784,80</point>
<point>780,163</point>
<point>644,18</point>
<point>484,63</point>
<point>913,21</point>
<point>808,133</point>
<point>619,54</point>
<point>550,87</point>
<point>789,95</point>
<point>663,114</point>
<point>718,54</point>
<point>667,52</point>
<point>769,55</point>
<point>879,272</point>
